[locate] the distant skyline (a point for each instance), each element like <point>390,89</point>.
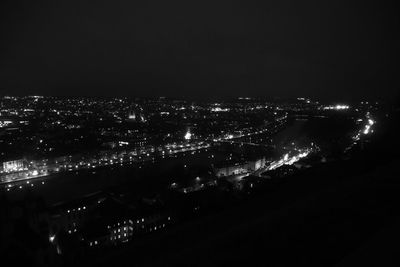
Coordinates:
<point>208,49</point>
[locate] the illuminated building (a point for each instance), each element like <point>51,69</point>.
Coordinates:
<point>119,225</point>
<point>219,109</point>
<point>101,220</point>
<point>132,115</point>
<point>188,135</point>
<point>5,123</point>
<point>240,168</point>
<point>14,165</point>
<point>337,107</point>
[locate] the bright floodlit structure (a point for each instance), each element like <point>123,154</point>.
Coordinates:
<point>188,135</point>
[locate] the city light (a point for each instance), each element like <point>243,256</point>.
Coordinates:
<point>337,107</point>
<point>219,109</point>
<point>287,160</point>
<point>188,135</point>
<point>227,147</point>
<point>368,127</point>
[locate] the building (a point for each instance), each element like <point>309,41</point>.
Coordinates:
<point>14,165</point>
<point>70,216</point>
<point>132,115</point>
<point>240,168</point>
<point>101,219</point>
<point>113,223</point>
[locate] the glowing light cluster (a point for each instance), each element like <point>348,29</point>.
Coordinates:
<point>287,160</point>
<point>367,128</point>
<point>218,109</point>
<point>5,123</point>
<point>337,107</point>
<point>188,135</point>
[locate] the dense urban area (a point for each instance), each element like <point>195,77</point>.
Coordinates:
<point>82,178</point>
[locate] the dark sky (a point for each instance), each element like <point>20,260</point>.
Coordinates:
<point>330,49</point>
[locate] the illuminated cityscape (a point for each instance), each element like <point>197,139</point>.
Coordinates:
<point>199,133</point>
<point>157,160</point>
<point>105,132</point>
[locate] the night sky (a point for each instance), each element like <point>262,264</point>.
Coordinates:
<point>204,49</point>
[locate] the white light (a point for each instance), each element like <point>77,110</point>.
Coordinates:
<point>218,109</point>
<point>35,172</point>
<point>342,107</point>
<point>366,130</point>
<point>188,135</point>
<point>337,107</point>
